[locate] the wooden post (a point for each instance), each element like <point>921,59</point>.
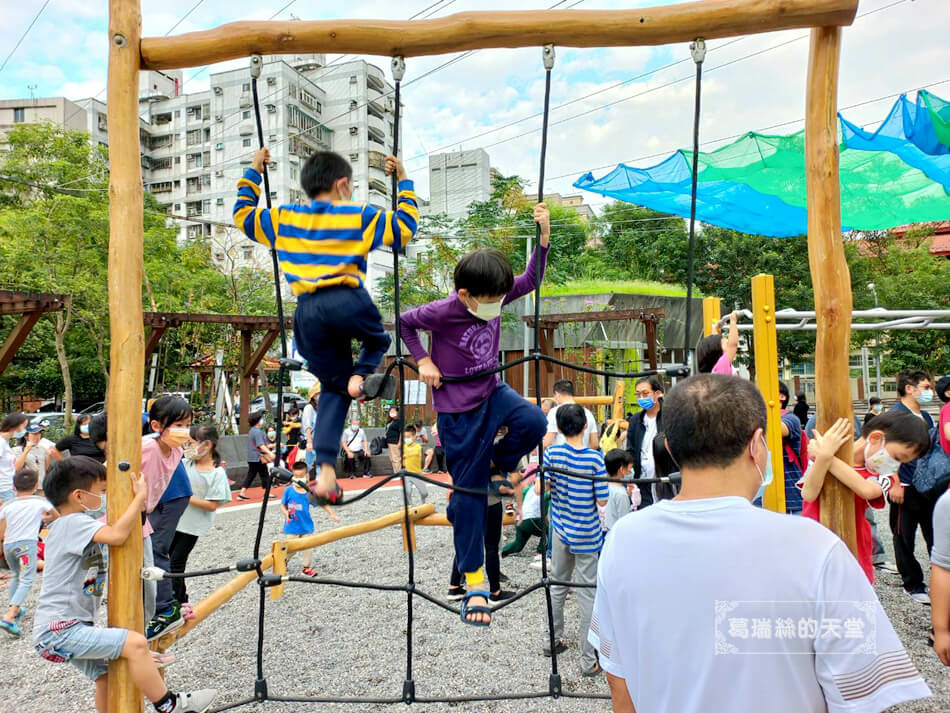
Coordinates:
<point>618,405</point>
<point>278,550</point>
<point>830,276</point>
<point>127,333</point>
<point>650,327</point>
<point>766,377</point>
<point>245,376</point>
<point>712,313</point>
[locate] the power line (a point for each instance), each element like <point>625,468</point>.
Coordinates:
<point>23,36</point>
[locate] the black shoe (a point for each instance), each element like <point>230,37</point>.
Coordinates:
<point>455,593</point>
<point>501,595</point>
<point>559,649</point>
<point>379,386</point>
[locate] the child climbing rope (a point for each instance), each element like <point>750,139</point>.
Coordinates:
<point>322,248</point>
<point>465,329</point>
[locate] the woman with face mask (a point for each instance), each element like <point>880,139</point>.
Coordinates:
<point>79,443</point>
<point>32,452</point>
<point>12,426</point>
<point>886,442</point>
<point>168,491</point>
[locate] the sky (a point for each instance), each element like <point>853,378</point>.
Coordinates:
<point>752,83</point>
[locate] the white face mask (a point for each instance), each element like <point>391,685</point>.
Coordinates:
<point>486,311</point>
<point>881,462</point>
<point>354,427</point>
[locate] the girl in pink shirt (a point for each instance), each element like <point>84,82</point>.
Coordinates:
<point>715,353</point>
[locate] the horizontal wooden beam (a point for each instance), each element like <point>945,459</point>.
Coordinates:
<point>647,314</point>
<point>260,323</point>
<point>669,24</point>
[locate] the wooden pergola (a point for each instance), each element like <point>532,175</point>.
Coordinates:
<point>30,306</point>
<point>160,322</point>
<point>647,316</point>
<point>129,52</point>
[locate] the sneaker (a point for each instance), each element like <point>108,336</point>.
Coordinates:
<point>242,497</point>
<point>501,596</point>
<point>194,701</point>
<point>921,597</point>
<point>559,648</point>
<point>308,572</point>
<point>10,627</point>
<point>455,593</point>
<point>889,567</point>
<point>164,623</point>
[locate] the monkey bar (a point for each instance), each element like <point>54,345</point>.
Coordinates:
<point>707,19</point>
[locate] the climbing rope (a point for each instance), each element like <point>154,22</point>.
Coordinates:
<point>400,363</point>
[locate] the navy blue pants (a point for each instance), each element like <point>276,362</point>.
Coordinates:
<point>469,442</point>
<point>325,324</point>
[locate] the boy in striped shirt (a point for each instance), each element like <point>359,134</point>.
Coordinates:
<point>322,248</point>
<point>577,536</point>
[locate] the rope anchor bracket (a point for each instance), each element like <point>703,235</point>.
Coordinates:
<point>256,64</point>
<point>698,49</point>
<point>547,56</point>
<point>398,68</point>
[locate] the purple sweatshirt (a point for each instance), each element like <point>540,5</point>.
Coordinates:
<point>462,344</point>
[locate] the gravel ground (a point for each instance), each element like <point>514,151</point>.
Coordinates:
<point>351,642</point>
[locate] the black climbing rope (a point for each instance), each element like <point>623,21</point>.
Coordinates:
<point>698,50</point>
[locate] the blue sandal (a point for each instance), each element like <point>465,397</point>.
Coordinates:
<point>465,609</point>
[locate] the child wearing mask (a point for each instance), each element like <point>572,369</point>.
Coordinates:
<point>621,499</point>
<point>412,461</point>
<point>886,442</point>
<point>298,521</point>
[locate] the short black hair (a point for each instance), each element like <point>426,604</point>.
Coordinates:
<point>941,387</point>
<point>653,381</point>
<point>708,351</point>
<point>322,170</point>
<point>564,386</point>
<point>899,427</point>
<point>98,428</point>
<point>615,459</point>
<point>299,465</point>
<point>910,378</point>
<point>709,419</point>
<point>166,410</point>
<point>25,480</point>
<point>255,418</point>
<point>410,429</point>
<point>12,420</point>
<point>783,391</point>
<point>571,419</point>
<point>71,473</point>
<point>485,272</point>
<point>874,400</point>
<point>81,421</point>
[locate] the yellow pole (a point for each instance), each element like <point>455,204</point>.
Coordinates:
<point>278,551</point>
<point>712,313</point>
<point>766,376</point>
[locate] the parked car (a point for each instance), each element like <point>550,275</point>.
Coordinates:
<point>94,409</point>
<point>258,404</point>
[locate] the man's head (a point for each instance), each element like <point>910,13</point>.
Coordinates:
<point>783,394</point>
<point>875,405</point>
<point>619,463</point>
<point>563,391</point>
<point>717,422</point>
<point>355,423</point>
<point>328,175</point>
<point>546,405</point>
<point>571,420</point>
<point>25,480</point>
<point>75,484</point>
<point>482,279</point>
<point>649,391</point>
<point>915,384</point>
<point>255,419</point>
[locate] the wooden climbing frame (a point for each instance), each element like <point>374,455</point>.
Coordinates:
<point>683,22</point>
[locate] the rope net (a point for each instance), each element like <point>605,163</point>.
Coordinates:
<point>401,364</point>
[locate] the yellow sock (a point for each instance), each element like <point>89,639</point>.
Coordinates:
<point>476,579</point>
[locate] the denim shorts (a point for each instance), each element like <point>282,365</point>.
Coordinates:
<point>88,648</point>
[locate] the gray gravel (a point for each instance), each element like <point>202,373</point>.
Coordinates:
<point>350,642</point>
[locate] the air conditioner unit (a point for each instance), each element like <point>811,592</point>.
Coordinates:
<point>390,105</point>
<point>272,164</point>
<point>272,80</point>
<point>219,91</point>
<point>220,147</point>
<point>271,109</point>
<point>219,117</point>
<point>245,100</point>
<point>220,201</point>
<point>219,173</point>
<point>354,130</point>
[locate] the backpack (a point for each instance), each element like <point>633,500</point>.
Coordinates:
<point>377,445</point>
<point>932,474</point>
<point>801,458</point>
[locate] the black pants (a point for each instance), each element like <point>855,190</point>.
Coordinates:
<point>916,511</point>
<point>359,462</point>
<point>438,457</point>
<point>493,519</point>
<point>164,520</point>
<point>255,470</point>
<point>182,545</point>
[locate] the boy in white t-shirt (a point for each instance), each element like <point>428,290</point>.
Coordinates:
<point>564,394</point>
<point>20,522</point>
<point>756,610</point>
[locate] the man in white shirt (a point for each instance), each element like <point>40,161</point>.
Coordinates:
<point>564,394</point>
<point>308,424</point>
<point>758,611</point>
<point>355,449</point>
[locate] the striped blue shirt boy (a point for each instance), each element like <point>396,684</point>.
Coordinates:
<point>573,499</point>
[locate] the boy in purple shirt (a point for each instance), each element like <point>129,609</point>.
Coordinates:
<point>466,328</point>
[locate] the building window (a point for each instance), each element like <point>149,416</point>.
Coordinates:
<point>246,142</point>
<point>248,253</point>
<point>246,114</point>
<point>246,87</point>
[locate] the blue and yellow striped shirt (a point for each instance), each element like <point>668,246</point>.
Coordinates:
<point>324,244</point>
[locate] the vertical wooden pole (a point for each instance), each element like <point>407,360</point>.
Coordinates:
<point>829,270</point>
<point>278,551</point>
<point>766,377</point>
<point>618,406</point>
<point>712,313</point>
<point>245,381</point>
<point>127,332</point>
<point>650,327</point>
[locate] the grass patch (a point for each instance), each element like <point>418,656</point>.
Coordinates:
<point>623,287</point>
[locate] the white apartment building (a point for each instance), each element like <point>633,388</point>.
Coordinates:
<point>456,180</point>
<point>56,110</point>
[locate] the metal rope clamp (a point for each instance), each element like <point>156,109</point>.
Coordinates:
<point>256,64</point>
<point>698,49</point>
<point>398,68</point>
<point>547,55</point>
